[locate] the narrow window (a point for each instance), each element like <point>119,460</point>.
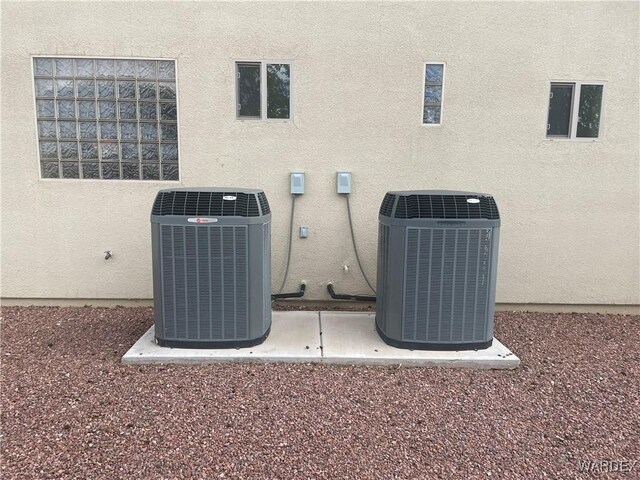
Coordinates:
<point>249,90</point>
<point>589,111</point>
<point>560,99</point>
<point>574,110</point>
<point>263,90</point>
<point>432,104</point>
<point>278,90</point>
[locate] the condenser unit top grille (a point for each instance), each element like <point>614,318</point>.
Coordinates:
<point>387,204</point>
<point>439,204</point>
<point>211,202</point>
<point>264,203</point>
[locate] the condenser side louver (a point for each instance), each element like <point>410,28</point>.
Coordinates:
<point>437,259</point>
<point>211,252</point>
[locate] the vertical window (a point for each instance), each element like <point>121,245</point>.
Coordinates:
<point>105,118</point>
<point>249,90</point>
<point>263,90</point>
<point>574,110</point>
<point>432,100</point>
<point>560,100</point>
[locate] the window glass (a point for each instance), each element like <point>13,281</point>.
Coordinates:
<point>249,90</point>
<point>104,118</point>
<point>43,66</point>
<point>589,111</point>
<point>431,115</point>
<point>432,100</point>
<point>558,124</point>
<point>434,72</point>
<point>278,90</point>
<point>64,67</point>
<point>433,94</point>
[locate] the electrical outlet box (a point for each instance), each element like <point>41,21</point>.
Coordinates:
<point>344,182</point>
<point>297,183</point>
<point>304,232</point>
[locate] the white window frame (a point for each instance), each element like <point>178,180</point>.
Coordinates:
<point>424,81</point>
<point>101,180</point>
<point>575,107</point>
<point>263,91</point>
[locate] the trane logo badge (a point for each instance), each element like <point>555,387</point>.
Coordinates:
<point>202,220</point>
<point>473,200</point>
<point>229,197</point>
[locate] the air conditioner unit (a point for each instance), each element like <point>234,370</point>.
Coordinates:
<point>211,251</point>
<point>437,259</point>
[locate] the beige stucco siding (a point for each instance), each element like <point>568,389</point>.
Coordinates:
<point>570,211</point>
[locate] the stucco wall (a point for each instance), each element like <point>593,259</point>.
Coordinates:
<point>570,227</point>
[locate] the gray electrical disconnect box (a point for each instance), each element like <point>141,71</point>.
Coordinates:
<point>344,182</point>
<point>297,183</point>
<point>211,251</point>
<point>437,261</point>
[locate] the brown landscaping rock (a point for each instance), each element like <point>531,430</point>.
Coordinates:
<point>70,409</point>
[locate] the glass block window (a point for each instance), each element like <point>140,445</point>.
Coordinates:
<point>110,119</point>
<point>574,110</point>
<point>433,83</point>
<point>263,91</point>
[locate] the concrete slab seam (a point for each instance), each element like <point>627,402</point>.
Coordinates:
<point>320,335</point>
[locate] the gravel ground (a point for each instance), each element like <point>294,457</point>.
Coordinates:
<point>71,410</point>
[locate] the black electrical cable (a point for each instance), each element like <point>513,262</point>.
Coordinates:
<point>286,270</point>
<point>353,239</point>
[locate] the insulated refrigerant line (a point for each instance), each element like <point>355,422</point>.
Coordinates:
<point>355,249</point>
<point>286,270</point>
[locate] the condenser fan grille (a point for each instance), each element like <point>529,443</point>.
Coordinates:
<point>264,203</point>
<point>218,204</point>
<point>387,204</point>
<point>442,206</point>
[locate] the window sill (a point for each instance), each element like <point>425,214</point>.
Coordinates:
<point>579,140</point>
<point>105,180</point>
<point>260,120</point>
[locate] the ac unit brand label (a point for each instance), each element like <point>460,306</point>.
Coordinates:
<point>473,200</point>
<point>202,220</point>
<point>229,197</point>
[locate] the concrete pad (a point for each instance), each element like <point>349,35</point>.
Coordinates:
<point>294,338</point>
<point>328,337</point>
<point>351,338</point>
